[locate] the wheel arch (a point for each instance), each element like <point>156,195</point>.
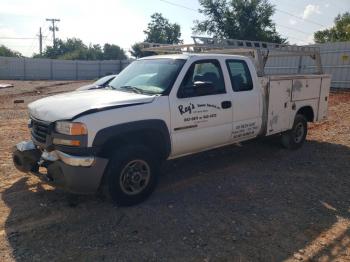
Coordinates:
<point>308,112</point>
<point>152,133</point>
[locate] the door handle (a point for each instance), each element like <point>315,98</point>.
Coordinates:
<point>226,104</point>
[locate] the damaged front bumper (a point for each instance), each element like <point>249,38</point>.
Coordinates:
<point>76,174</point>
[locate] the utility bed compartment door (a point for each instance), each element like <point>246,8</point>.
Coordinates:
<point>324,96</point>
<point>304,89</point>
<point>279,106</point>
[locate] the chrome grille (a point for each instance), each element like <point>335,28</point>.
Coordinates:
<point>40,130</point>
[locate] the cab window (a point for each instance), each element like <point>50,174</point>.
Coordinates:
<point>203,78</point>
<point>241,79</point>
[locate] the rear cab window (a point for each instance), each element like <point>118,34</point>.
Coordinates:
<point>241,79</point>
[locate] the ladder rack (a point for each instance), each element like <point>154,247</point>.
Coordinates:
<point>257,50</point>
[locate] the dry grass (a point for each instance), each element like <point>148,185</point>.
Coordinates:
<point>258,202</point>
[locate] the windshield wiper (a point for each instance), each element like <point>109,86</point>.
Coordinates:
<point>136,90</point>
<point>133,88</point>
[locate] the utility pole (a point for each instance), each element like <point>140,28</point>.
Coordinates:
<point>40,42</point>
<point>53,28</point>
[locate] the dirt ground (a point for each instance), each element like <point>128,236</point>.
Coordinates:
<point>257,202</point>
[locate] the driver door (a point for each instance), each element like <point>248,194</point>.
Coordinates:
<point>201,109</point>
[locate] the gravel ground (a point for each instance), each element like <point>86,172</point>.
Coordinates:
<point>257,202</point>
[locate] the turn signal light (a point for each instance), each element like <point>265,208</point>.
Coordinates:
<point>66,142</point>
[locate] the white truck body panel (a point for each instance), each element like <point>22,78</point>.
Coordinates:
<point>323,100</point>
<point>306,88</point>
<point>287,94</point>
<point>247,108</point>
<point>199,123</point>
<point>164,107</point>
<point>158,109</point>
<point>279,106</point>
<point>67,105</point>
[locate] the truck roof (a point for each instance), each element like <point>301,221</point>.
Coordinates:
<point>188,55</point>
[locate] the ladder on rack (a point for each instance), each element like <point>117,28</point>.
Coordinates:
<point>257,50</point>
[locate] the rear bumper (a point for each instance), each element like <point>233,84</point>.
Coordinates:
<point>75,174</point>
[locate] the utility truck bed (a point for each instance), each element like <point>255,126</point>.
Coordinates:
<point>285,93</point>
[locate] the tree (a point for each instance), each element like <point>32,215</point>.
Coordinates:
<point>4,51</point>
<point>136,50</point>
<point>239,19</point>
<point>74,48</point>
<point>339,32</point>
<point>113,52</point>
<point>161,31</point>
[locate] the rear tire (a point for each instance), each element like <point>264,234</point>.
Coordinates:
<point>295,138</point>
<point>132,175</point>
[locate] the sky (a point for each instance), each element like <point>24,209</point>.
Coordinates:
<point>122,22</point>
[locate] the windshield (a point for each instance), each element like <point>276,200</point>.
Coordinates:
<point>150,76</point>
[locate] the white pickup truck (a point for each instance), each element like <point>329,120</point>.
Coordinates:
<point>163,107</point>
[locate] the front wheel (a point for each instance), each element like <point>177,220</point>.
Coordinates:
<point>294,138</point>
<point>132,175</point>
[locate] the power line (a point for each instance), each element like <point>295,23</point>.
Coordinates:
<point>19,45</point>
<point>178,5</point>
<point>299,17</point>
<point>18,38</point>
<point>30,48</point>
<point>45,37</point>
<point>294,29</point>
<point>333,5</point>
<point>34,44</point>
<point>296,38</point>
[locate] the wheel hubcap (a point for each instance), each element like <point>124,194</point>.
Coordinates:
<point>299,133</point>
<point>135,177</point>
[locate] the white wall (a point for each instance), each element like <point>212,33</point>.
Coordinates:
<point>52,69</point>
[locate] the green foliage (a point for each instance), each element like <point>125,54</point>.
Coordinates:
<point>110,51</point>
<point>159,30</point>
<point>238,19</point>
<point>136,50</point>
<point>4,51</point>
<point>74,49</point>
<point>339,32</point>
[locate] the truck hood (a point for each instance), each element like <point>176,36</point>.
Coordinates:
<point>69,105</point>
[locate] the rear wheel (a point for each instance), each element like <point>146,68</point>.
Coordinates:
<point>132,175</point>
<point>294,138</point>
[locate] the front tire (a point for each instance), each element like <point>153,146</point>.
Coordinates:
<point>132,175</point>
<point>295,138</point>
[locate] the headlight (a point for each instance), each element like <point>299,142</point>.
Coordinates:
<point>70,128</point>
